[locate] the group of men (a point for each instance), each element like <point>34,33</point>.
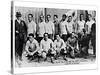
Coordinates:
<point>66,37</point>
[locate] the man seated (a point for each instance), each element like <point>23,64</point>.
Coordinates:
<point>59,46</point>
<point>31,47</point>
<point>71,45</point>
<point>46,48</point>
<point>84,44</point>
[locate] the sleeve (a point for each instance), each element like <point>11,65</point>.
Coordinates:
<point>41,44</point>
<point>54,44</point>
<point>25,27</point>
<point>63,44</point>
<point>27,46</point>
<point>51,44</point>
<point>59,27</point>
<point>52,26</point>
<point>34,28</point>
<point>37,45</point>
<point>66,28</point>
<point>73,24</point>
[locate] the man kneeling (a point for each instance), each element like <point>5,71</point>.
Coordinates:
<point>31,47</point>
<point>59,46</point>
<point>46,48</point>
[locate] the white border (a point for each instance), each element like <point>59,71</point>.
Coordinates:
<point>52,68</point>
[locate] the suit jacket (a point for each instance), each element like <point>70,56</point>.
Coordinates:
<point>20,29</point>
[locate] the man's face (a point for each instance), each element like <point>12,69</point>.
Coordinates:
<point>30,38</point>
<point>58,37</point>
<point>29,18</point>
<point>41,18</point>
<point>45,36</point>
<point>81,17</point>
<point>63,18</point>
<point>73,35</point>
<point>19,18</point>
<point>90,18</point>
<point>70,18</point>
<point>55,18</point>
<point>48,17</point>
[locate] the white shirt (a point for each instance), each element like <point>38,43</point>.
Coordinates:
<point>41,29</point>
<point>46,45</point>
<point>31,45</point>
<point>49,27</point>
<point>81,25</point>
<point>31,28</point>
<point>89,23</point>
<point>70,26</point>
<point>59,44</point>
<point>63,26</point>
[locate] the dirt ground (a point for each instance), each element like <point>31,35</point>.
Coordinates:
<point>60,61</point>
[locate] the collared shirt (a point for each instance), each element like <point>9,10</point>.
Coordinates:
<point>81,25</point>
<point>41,29</point>
<point>20,28</point>
<point>49,27</point>
<point>70,26</point>
<point>89,23</point>
<point>46,45</point>
<point>59,44</point>
<point>31,46</point>
<point>63,26</point>
<point>31,27</point>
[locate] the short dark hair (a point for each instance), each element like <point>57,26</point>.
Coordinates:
<point>45,33</point>
<point>56,16</point>
<point>57,34</point>
<point>31,15</point>
<point>48,15</point>
<point>70,16</point>
<point>90,15</point>
<point>41,16</point>
<point>31,34</point>
<point>80,16</point>
<point>64,15</point>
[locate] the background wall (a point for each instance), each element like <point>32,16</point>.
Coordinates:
<point>30,10</point>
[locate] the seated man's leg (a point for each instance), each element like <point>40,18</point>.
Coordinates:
<point>44,55</point>
<point>84,51</point>
<point>71,52</point>
<point>51,54</point>
<point>57,53</point>
<point>64,53</point>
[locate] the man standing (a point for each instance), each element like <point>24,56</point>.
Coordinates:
<point>89,23</point>
<point>63,28</point>
<point>46,47</point>
<point>81,23</point>
<point>70,26</point>
<point>20,33</point>
<point>56,25</point>
<point>49,27</point>
<point>41,29</point>
<point>31,27</point>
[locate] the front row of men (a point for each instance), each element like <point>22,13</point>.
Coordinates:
<point>48,48</point>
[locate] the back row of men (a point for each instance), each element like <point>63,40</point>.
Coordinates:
<point>65,28</point>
